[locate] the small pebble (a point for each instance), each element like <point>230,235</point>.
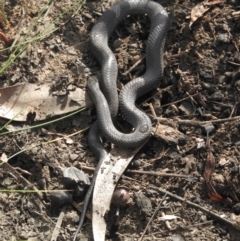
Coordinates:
<point>23,235</point>
<point>218,178</point>
<point>117,43</point>
<point>238,84</point>
<point>72,51</point>
<point>236,208</point>
<point>73,156</point>
<point>237,57</point>
<point>208,128</point>
<point>217,96</point>
<point>221,79</point>
<point>72,175</point>
<point>223,37</point>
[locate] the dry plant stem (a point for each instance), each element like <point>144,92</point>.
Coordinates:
<point>151,219</point>
<point>153,111</point>
<point>58,224</point>
<point>153,160</point>
<point>194,205</point>
<point>19,27</point>
<point>197,123</point>
<point>236,13</point>
<point>144,173</point>
<point>24,181</point>
<point>175,102</point>
<point>49,9</point>
<point>233,110</point>
<point>233,63</point>
<point>48,142</point>
<point>23,171</point>
<point>200,123</point>
<point>189,226</point>
<point>134,66</point>
<point>158,174</point>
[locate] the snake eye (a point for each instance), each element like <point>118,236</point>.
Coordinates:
<point>143,128</point>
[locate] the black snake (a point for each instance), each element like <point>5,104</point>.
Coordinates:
<point>104,90</point>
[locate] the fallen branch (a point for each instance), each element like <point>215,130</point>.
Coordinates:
<point>58,224</point>
<point>151,219</point>
<point>18,176</point>
<point>191,204</point>
<point>163,174</point>
<point>194,205</point>
<point>196,123</point>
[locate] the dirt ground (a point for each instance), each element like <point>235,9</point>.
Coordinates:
<point>201,83</point>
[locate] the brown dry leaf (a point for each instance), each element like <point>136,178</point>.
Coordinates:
<point>208,171</point>
<point>197,12</point>
<point>18,101</point>
<point>210,163</point>
<point>212,193</point>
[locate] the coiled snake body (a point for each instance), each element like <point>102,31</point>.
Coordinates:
<point>106,101</point>
<point>104,91</point>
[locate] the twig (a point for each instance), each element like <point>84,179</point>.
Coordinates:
<point>151,219</point>
<point>196,123</point>
<point>194,205</point>
<point>189,226</point>
<point>144,173</point>
<point>200,123</point>
<point>19,27</point>
<point>233,110</point>
<point>137,63</point>
<point>24,181</point>
<point>4,37</point>
<point>158,173</point>
<point>177,101</point>
<point>49,9</point>
<point>153,111</point>
<point>155,159</point>
<point>214,215</point>
<point>236,13</point>
<point>58,224</point>
<point>233,63</point>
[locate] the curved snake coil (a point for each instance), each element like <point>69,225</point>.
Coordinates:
<point>106,98</point>
<point>104,91</point>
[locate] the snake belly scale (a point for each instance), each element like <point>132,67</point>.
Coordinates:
<point>104,90</point>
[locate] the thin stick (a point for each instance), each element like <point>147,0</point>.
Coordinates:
<point>194,205</point>
<point>151,219</point>
<point>23,180</point>
<point>136,64</point>
<point>92,169</point>
<point>233,63</point>
<point>19,27</point>
<point>196,123</point>
<point>158,173</point>
<point>58,224</point>
<point>49,9</point>
<point>177,101</point>
<point>199,123</point>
